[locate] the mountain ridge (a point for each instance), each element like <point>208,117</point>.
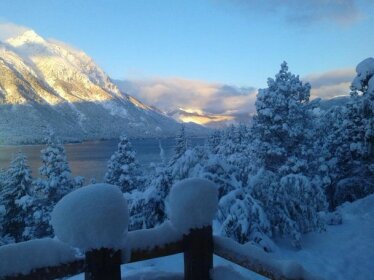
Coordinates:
<point>45,83</point>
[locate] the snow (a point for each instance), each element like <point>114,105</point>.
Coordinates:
<point>92,217</point>
<point>364,70</point>
<point>259,260</point>
<point>192,204</point>
<point>366,67</point>
<point>371,85</point>
<point>218,273</point>
<point>22,258</point>
<point>344,251</point>
<point>28,37</point>
<point>226,272</point>
<point>146,239</point>
<point>156,275</point>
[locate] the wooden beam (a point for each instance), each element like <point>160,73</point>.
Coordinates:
<point>157,252</point>
<point>52,272</point>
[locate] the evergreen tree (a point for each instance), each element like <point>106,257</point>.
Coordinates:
<point>180,145</point>
<point>214,141</point>
<point>147,209</point>
<point>291,203</point>
<point>188,164</point>
<point>282,126</point>
<point>357,156</point>
<point>123,170</point>
<point>242,218</point>
<point>234,148</point>
<point>56,179</point>
<point>363,88</point>
<point>346,142</point>
<point>282,145</point>
<point>16,198</point>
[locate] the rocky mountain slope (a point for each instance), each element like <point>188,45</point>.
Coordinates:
<point>45,83</point>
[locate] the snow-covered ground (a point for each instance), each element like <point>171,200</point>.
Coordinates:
<point>343,251</point>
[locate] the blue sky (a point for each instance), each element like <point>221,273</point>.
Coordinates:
<point>235,42</point>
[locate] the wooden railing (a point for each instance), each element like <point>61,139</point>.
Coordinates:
<point>197,247</point>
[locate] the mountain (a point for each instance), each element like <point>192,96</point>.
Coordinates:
<point>46,83</point>
<point>326,104</point>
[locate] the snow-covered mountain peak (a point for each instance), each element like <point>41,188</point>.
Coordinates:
<point>28,37</point>
<point>50,83</point>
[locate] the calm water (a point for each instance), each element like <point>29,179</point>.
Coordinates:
<point>89,159</point>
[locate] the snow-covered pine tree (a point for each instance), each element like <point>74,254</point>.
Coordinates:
<point>214,141</point>
<point>16,198</point>
<point>57,179</point>
<point>55,182</point>
<point>359,135</point>
<point>234,147</point>
<point>346,142</point>
<point>189,164</point>
<point>363,89</point>
<point>147,209</point>
<point>123,169</point>
<point>282,127</point>
<point>243,219</point>
<point>282,133</point>
<point>336,161</point>
<point>180,145</point>
<point>291,203</point>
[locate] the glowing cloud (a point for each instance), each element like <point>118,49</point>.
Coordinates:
<point>198,96</point>
<point>330,84</point>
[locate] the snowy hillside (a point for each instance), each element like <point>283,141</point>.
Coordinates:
<point>47,83</point>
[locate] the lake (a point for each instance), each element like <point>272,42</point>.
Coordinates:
<point>89,159</point>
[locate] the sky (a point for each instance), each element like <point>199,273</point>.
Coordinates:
<point>213,43</point>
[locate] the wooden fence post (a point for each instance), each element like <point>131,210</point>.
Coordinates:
<point>198,254</point>
<point>103,264</point>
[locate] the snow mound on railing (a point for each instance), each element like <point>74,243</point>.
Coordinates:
<point>258,260</point>
<point>92,217</point>
<point>23,257</point>
<point>192,203</point>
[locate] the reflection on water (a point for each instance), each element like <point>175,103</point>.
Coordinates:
<point>89,159</point>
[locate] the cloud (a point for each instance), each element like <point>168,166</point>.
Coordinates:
<point>330,84</point>
<point>196,96</point>
<point>308,11</point>
<point>202,97</point>
<point>8,30</point>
